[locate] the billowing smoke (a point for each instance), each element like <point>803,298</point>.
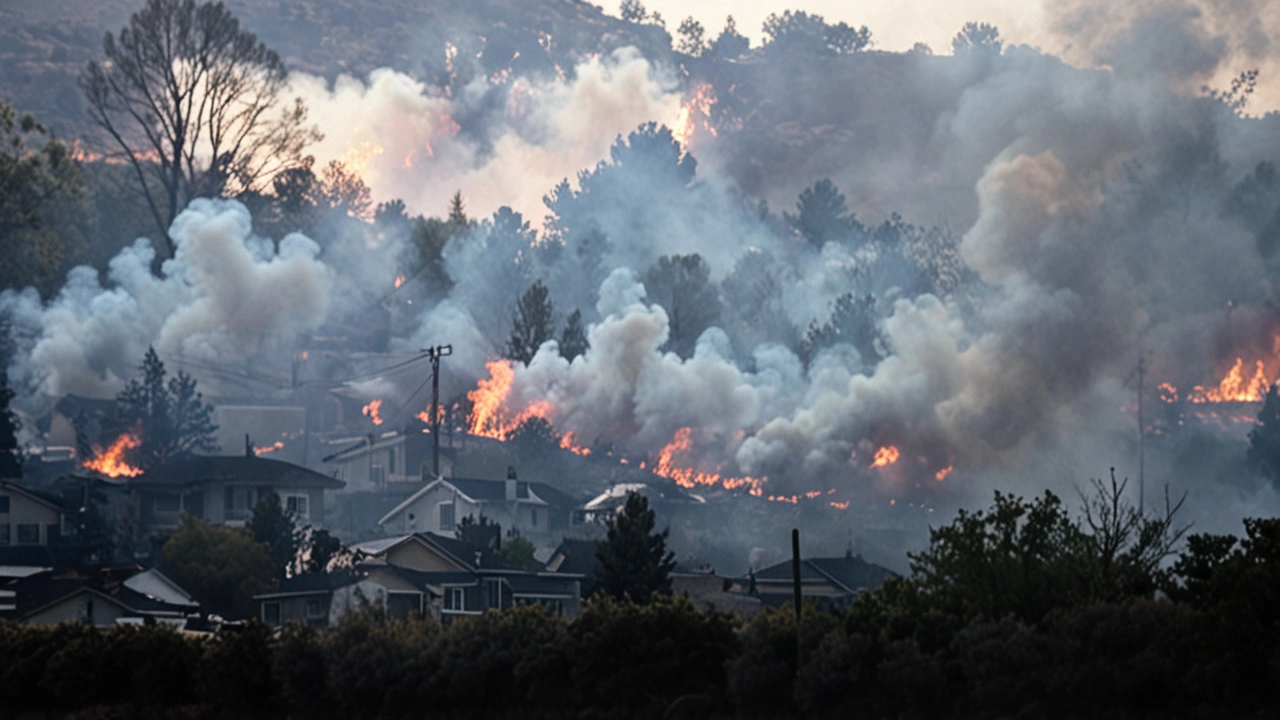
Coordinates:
<point>226,295</point>
<point>1058,226</point>
<point>501,141</point>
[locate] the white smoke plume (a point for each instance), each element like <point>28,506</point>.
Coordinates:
<point>225,296</point>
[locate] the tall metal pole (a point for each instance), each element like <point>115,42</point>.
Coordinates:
<point>435,353</point>
<point>1142,437</point>
<point>795,583</point>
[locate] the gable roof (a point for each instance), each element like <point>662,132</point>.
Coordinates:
<point>458,552</point>
<point>194,469</point>
<point>40,591</point>
<point>575,556</point>
<point>849,573</point>
<point>480,491</point>
<point>46,499</point>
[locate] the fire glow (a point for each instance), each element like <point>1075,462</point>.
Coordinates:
<point>695,115</point>
<point>1234,387</point>
<point>886,455</point>
<point>686,477</point>
<point>371,411</point>
<point>489,414</point>
<point>111,462</point>
<point>277,445</point>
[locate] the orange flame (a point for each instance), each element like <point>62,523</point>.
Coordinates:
<point>886,455</point>
<point>695,115</point>
<point>399,281</point>
<point>1234,387</point>
<point>371,411</point>
<point>681,443</point>
<point>489,416</point>
<point>943,473</point>
<point>277,445</point>
<point>111,462</point>
<point>568,443</point>
<point>1168,393</point>
<point>839,505</point>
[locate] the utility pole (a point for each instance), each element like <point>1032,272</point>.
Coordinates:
<point>434,354</point>
<point>1142,435</point>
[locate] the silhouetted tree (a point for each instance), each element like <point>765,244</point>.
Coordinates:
<point>692,37</point>
<point>532,324</point>
<point>729,44</point>
<point>190,99</point>
<point>221,566</point>
<point>39,182</point>
<point>634,560</point>
<point>518,552</point>
<point>321,549</point>
<point>573,339</point>
<point>977,38</point>
<point>483,532</point>
<point>457,214</point>
<point>535,441</point>
<point>822,214</point>
<point>853,322</point>
<point>681,284</point>
<point>10,454</point>
<point>275,528</point>
<point>1264,439</point>
<point>171,417</point>
<point>798,32</point>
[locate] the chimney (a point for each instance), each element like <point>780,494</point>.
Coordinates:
<point>511,482</point>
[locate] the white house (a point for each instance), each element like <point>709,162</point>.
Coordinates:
<point>536,510</point>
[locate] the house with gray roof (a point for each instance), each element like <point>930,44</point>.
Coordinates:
<point>536,510</point>
<point>832,581</point>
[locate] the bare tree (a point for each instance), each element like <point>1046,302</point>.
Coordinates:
<point>193,102</point>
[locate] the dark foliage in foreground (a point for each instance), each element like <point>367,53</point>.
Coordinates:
<point>956,639</point>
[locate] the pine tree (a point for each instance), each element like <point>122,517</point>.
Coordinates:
<point>171,416</point>
<point>457,214</point>
<point>1264,440</point>
<point>10,455</point>
<point>532,324</point>
<point>634,560</point>
<point>272,526</point>
<point>573,340</point>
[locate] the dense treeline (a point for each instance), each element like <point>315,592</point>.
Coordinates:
<point>1016,609</point>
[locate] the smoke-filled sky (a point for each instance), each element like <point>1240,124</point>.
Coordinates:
<point>1076,30</point>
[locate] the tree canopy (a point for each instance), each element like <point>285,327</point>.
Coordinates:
<point>532,324</point>
<point>634,560</point>
<point>169,415</point>
<point>192,102</point>
<point>221,566</point>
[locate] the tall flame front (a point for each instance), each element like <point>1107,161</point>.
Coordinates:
<point>112,461</point>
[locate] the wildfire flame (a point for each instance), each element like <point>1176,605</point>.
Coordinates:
<point>277,445</point>
<point>681,443</point>
<point>489,416</point>
<point>694,115</point>
<point>943,473</point>
<point>886,455</point>
<point>1234,387</point>
<point>371,411</point>
<point>399,281</point>
<point>567,443</point>
<point>111,462</point>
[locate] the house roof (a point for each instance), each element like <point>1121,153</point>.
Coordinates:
<point>460,552</point>
<point>195,469</point>
<point>616,496</point>
<point>483,491</point>
<point>849,573</point>
<point>39,591</point>
<point>46,499</point>
<point>575,557</point>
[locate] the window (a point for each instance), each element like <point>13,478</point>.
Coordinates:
<point>271,613</point>
<point>378,475</point>
<point>4,533</point>
<point>534,517</point>
<point>457,599</point>
<point>28,534</point>
<point>296,505</point>
<point>315,609</point>
<point>446,517</point>
<point>493,591</point>
<point>4,504</point>
<point>167,502</point>
<point>391,462</point>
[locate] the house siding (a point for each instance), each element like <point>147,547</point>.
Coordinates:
<point>82,607</point>
<point>25,511</point>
